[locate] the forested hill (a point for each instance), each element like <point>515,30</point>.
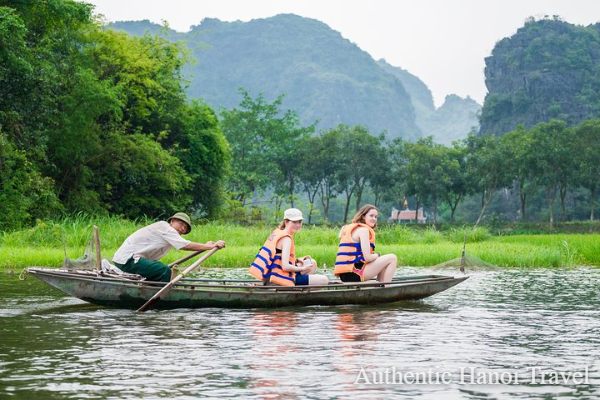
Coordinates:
<point>324,76</point>
<point>453,120</point>
<point>548,69</point>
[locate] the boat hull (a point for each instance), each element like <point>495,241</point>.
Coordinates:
<point>199,293</point>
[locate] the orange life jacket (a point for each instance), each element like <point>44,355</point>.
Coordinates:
<point>350,252</point>
<point>267,264</point>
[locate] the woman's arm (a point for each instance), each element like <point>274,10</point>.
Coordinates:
<point>365,246</point>
<point>286,246</point>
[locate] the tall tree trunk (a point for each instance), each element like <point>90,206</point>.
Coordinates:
<point>292,186</point>
<point>377,198</point>
<point>417,210</point>
<point>325,197</point>
<point>486,198</point>
<point>563,194</point>
<point>592,202</point>
<point>523,199</point>
<point>551,198</point>
<point>311,199</point>
<point>453,205</point>
<point>278,200</point>
<point>359,192</point>
<point>347,207</point>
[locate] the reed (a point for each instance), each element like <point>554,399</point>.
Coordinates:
<point>47,243</point>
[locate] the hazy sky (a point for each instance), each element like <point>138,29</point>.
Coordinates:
<point>443,42</point>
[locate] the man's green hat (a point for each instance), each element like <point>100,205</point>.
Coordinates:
<point>182,217</point>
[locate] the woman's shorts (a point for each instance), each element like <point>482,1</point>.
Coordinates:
<point>301,280</point>
<point>350,277</point>
<point>356,275</point>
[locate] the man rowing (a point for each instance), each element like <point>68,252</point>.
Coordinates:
<point>141,252</point>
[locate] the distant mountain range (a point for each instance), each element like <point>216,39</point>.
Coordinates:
<point>548,69</point>
<point>452,121</point>
<point>324,77</point>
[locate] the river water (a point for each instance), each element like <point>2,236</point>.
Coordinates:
<point>501,334</point>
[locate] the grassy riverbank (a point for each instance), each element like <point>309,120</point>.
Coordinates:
<point>47,243</point>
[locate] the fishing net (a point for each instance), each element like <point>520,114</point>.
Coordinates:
<point>85,262</point>
<point>466,263</point>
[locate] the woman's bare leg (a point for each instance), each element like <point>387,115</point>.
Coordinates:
<point>383,268</point>
<point>317,279</point>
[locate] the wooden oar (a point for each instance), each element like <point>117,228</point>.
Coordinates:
<point>184,259</point>
<point>169,285</point>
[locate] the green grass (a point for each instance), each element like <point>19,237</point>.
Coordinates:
<point>46,243</point>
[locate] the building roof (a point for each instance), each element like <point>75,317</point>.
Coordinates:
<point>407,215</point>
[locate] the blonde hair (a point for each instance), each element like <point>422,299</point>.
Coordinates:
<point>359,217</point>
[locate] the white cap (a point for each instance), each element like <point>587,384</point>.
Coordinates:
<point>293,214</point>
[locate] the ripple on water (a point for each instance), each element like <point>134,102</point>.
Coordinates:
<point>55,346</point>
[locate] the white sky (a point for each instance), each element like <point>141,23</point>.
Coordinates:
<point>443,42</point>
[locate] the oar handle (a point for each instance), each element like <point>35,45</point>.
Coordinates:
<point>169,285</point>
<point>184,259</point>
<point>195,265</point>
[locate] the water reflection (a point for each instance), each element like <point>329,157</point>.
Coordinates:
<point>273,343</point>
<point>53,346</point>
<point>356,328</point>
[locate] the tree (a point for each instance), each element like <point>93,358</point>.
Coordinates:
<point>487,167</point>
<point>264,145</point>
<point>388,181</point>
<point>151,180</point>
<point>518,144</point>
<point>331,158</point>
<point>427,177</point>
<point>284,138</point>
<point>362,154</point>
<point>41,45</point>
<point>17,79</point>
<point>586,144</point>
<point>457,183</point>
<point>246,129</point>
<point>71,91</point>
<point>25,195</point>
<point>205,156</point>
<point>552,165</point>
<point>311,165</point>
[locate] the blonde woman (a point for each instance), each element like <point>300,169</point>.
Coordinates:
<point>356,260</point>
<point>276,261</point>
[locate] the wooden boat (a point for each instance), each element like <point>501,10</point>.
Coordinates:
<point>115,291</point>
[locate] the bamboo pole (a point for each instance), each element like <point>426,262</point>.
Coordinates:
<point>97,246</point>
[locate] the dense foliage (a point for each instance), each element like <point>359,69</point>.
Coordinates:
<point>547,167</point>
<point>97,121</point>
<point>548,69</point>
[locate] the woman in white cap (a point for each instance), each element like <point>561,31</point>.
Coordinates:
<point>141,251</point>
<point>276,261</point>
